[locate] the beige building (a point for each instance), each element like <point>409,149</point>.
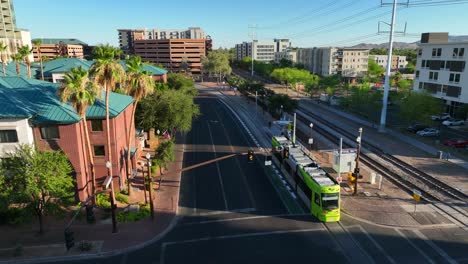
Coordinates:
<point>290,55</point>
<point>398,62</point>
<point>347,62</point>
<point>10,35</point>
<point>171,52</point>
<point>127,37</point>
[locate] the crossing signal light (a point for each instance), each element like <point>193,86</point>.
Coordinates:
<point>69,239</point>
<point>286,152</point>
<point>250,156</point>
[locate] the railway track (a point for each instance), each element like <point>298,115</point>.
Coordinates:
<point>407,177</point>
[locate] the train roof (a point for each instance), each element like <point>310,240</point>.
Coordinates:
<point>319,176</point>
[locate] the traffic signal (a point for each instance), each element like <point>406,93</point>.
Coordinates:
<point>69,239</point>
<point>286,152</point>
<point>90,214</point>
<point>250,156</point>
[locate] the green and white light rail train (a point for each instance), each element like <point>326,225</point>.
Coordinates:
<point>322,191</point>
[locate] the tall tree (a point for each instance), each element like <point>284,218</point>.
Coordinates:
<point>80,92</point>
<point>217,63</point>
<point>37,178</point>
<point>3,48</point>
<point>17,58</point>
<point>107,72</point>
<point>37,44</point>
<point>138,85</point>
<point>185,65</point>
<point>25,51</point>
<point>164,154</point>
<point>374,69</point>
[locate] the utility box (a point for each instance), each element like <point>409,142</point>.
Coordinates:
<point>347,163</point>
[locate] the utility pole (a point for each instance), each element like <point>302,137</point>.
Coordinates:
<point>294,130</point>
<point>256,115</point>
<point>356,169</point>
<point>252,34</point>
<point>383,116</point>
<point>148,157</point>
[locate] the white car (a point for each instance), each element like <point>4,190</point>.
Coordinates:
<point>453,122</point>
<point>443,116</point>
<point>428,132</point>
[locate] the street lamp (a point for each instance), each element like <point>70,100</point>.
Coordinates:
<point>281,117</point>
<point>311,140</point>
<point>356,169</point>
<point>148,157</point>
<point>112,198</point>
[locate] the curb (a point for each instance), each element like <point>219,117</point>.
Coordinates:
<point>111,253</point>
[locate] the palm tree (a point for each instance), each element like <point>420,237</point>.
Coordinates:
<point>3,48</point>
<point>107,72</point>
<point>17,58</point>
<point>25,51</point>
<point>80,92</point>
<point>138,85</point>
<point>37,44</point>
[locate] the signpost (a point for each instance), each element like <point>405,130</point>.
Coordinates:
<point>107,181</point>
<point>416,197</point>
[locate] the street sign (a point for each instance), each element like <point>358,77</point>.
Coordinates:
<point>311,141</point>
<point>339,179</point>
<point>416,195</point>
<point>107,181</point>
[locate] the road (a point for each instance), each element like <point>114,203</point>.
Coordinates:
<point>231,213</point>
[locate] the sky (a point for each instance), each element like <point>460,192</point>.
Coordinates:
<point>307,23</point>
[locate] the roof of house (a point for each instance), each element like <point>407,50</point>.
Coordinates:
<point>10,69</point>
<point>33,99</point>
<point>62,65</point>
<point>70,41</point>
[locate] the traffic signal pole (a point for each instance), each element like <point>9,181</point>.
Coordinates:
<point>356,169</point>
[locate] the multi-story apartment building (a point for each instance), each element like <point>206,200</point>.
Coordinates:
<point>31,113</point>
<point>261,50</point>
<point>289,54</point>
<point>127,37</point>
<point>52,48</point>
<point>347,62</point>
<point>398,62</point>
<point>441,69</point>
<point>171,52</point>
<point>10,35</point>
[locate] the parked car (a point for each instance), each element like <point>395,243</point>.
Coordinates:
<point>456,142</point>
<point>415,127</point>
<point>443,116</point>
<point>428,132</point>
<point>453,122</point>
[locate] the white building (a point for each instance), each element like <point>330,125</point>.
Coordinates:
<point>261,50</point>
<point>441,69</point>
<point>347,62</point>
<point>14,132</point>
<point>398,62</point>
<point>290,55</point>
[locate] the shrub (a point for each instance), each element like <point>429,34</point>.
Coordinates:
<point>134,216</point>
<point>102,201</point>
<point>121,198</point>
<point>85,246</point>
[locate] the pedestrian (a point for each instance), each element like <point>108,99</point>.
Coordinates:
<point>448,156</point>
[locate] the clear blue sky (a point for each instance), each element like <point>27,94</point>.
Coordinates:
<point>307,23</point>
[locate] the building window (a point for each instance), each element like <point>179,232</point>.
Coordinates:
<point>96,125</point>
<point>436,52</point>
<point>419,52</point>
<point>442,64</point>
<point>99,151</point>
<point>423,64</point>
<point>433,76</point>
<point>454,77</point>
<point>458,52</point>
<point>51,132</point>
<point>8,136</point>
<point>421,85</point>
<point>417,74</point>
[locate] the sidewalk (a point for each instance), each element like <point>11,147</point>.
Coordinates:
<point>130,236</point>
<point>389,206</point>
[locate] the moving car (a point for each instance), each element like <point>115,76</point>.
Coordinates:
<point>428,132</point>
<point>443,116</point>
<point>415,127</point>
<point>453,122</point>
<point>457,142</point>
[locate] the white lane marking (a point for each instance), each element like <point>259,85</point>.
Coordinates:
<point>241,219</point>
<point>428,259</point>
<point>389,258</point>
<point>163,253</point>
<point>340,245</point>
<point>278,232</point>
<point>211,213</point>
<point>217,167</point>
<point>434,246</point>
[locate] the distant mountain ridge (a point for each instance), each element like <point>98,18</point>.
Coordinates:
<point>405,45</point>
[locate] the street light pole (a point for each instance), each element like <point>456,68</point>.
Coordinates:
<point>281,114</point>
<point>356,169</point>
<point>148,157</point>
<point>112,199</point>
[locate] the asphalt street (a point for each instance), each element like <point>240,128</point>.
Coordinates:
<point>230,213</point>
